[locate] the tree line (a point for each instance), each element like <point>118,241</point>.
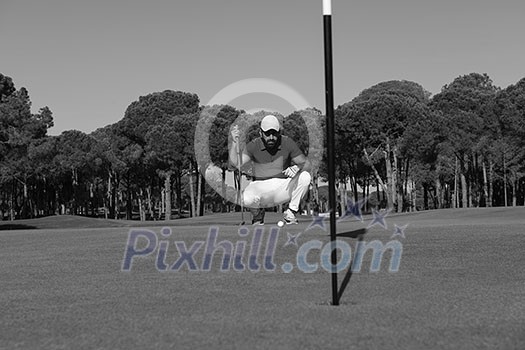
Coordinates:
<point>397,147</point>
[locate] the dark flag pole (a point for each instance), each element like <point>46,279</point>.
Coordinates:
<point>330,137</point>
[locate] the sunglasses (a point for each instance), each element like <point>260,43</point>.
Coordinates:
<point>270,132</point>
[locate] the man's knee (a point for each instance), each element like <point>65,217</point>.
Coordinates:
<point>251,200</point>
<point>304,178</point>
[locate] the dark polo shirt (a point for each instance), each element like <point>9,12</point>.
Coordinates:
<point>267,165</point>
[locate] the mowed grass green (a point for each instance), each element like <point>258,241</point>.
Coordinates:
<point>460,285</point>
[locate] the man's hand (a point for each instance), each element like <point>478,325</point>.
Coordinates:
<point>291,171</point>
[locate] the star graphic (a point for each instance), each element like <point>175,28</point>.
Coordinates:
<point>292,239</point>
<point>379,218</point>
<point>399,231</point>
<point>353,209</point>
<point>318,220</point>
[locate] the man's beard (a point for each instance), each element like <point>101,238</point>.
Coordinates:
<point>271,145</point>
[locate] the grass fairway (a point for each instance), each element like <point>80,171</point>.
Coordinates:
<point>460,285</point>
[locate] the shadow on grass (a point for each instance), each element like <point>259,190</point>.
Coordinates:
<point>359,234</point>
<point>7,227</point>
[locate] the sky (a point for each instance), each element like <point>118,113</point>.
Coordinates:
<point>88,60</point>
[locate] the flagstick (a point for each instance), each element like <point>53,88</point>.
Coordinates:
<point>330,132</point>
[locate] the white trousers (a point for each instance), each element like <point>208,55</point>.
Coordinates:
<point>272,192</point>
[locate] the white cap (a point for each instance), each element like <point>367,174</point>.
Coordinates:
<point>270,122</point>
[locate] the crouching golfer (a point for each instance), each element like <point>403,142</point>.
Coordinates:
<point>280,170</point>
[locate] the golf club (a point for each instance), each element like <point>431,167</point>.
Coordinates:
<point>239,163</point>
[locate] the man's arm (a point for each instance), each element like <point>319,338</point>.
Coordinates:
<point>302,162</point>
<point>234,152</point>
<point>299,161</point>
<point>234,156</point>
